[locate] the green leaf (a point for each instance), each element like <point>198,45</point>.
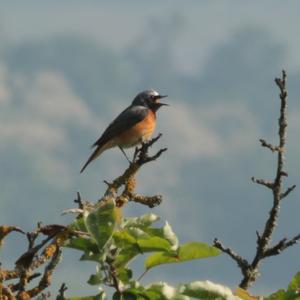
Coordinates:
<point>124,275</point>
<point>100,296</point>
<point>131,246</point>
<point>206,290</point>
<point>188,251</point>
<point>142,221</point>
<point>151,295</point>
<point>160,258</point>
<point>141,294</point>
<point>167,292</point>
<point>166,233</point>
<point>295,283</point>
<point>125,256</point>
<point>79,225</point>
<point>279,295</point>
<point>197,250</point>
<point>143,241</point>
<point>96,279</point>
<point>101,223</point>
<point>153,244</point>
<point>128,245</point>
<point>137,232</point>
<point>98,257</point>
<point>83,244</point>
<point>123,238</point>
<point>292,292</point>
<point>138,292</point>
<point>117,296</point>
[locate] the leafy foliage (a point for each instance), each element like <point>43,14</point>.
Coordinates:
<point>113,245</point>
<point>292,292</point>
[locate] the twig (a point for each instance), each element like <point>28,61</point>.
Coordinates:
<point>150,201</point>
<point>142,275</point>
<point>242,263</point>
<point>8,274</point>
<point>281,245</point>
<point>263,248</point>
<point>270,146</point>
<point>127,179</point>
<point>47,276</point>
<point>16,287</point>
<point>26,259</point>
<point>264,182</point>
<point>61,292</point>
<point>6,293</point>
<point>5,230</point>
<point>79,201</point>
<point>285,194</point>
<point>31,260</point>
<point>114,279</point>
<point>251,271</point>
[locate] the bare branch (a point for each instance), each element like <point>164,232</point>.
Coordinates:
<point>250,271</point>
<point>79,201</point>
<point>270,146</point>
<point>293,241</point>
<point>6,293</point>
<point>264,239</point>
<point>155,156</point>
<point>114,279</point>
<point>285,194</point>
<point>127,179</point>
<point>264,182</point>
<point>47,276</point>
<point>17,287</point>
<point>8,274</point>
<point>258,237</point>
<point>5,230</point>
<point>242,263</point>
<point>275,250</point>
<point>61,292</point>
<point>25,260</point>
<point>150,201</point>
<point>281,245</point>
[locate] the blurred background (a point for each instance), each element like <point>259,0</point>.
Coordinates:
<point>68,67</point>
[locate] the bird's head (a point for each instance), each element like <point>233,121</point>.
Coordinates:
<point>149,99</point>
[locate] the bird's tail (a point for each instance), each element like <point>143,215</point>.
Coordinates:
<point>94,155</point>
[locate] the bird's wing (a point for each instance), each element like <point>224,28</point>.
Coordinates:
<point>128,118</point>
<point>124,121</point>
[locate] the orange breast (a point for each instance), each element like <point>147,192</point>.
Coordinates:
<point>139,132</point>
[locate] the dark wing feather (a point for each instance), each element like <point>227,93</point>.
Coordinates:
<point>128,118</point>
<point>124,121</point>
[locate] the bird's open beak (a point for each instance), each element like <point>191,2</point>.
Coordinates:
<point>160,97</point>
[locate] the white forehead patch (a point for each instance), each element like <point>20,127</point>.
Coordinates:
<point>153,92</point>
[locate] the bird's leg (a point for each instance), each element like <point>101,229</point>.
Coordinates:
<point>125,154</point>
<point>136,151</point>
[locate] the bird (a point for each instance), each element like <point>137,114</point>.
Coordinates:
<point>131,127</point>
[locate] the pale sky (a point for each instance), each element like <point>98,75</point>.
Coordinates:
<point>114,24</point>
<point>222,96</point>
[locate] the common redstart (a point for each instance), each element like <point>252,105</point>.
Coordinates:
<point>133,126</point>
